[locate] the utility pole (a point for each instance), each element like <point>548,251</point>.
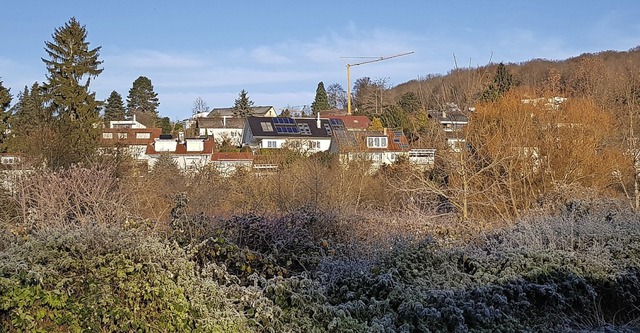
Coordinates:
<point>372,59</point>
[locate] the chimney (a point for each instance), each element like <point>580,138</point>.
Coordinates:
<point>224,121</point>
<point>318,119</point>
<point>134,117</point>
<point>181,136</point>
<point>444,114</point>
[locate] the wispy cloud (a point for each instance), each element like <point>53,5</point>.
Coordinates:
<point>153,59</point>
<point>267,55</point>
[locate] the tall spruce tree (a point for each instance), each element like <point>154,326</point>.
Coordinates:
<point>142,99</point>
<point>502,82</point>
<point>71,67</point>
<point>114,108</point>
<point>321,102</point>
<point>5,113</point>
<point>242,105</point>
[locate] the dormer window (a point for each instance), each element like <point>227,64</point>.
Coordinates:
<point>266,126</point>
<point>377,142</point>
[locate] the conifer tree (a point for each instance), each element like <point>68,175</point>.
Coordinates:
<point>70,68</point>
<point>31,123</point>
<point>142,99</point>
<point>321,102</point>
<point>114,108</point>
<point>5,113</point>
<point>242,105</point>
<point>502,82</point>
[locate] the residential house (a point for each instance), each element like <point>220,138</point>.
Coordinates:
<point>221,129</point>
<point>228,163</point>
<point>350,123</point>
<point>129,135</point>
<point>188,154</point>
<point>256,111</point>
<point>452,120</point>
<point>307,134</point>
<point>376,147</point>
<point>379,148</point>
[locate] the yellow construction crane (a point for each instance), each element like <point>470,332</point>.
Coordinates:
<point>371,59</point>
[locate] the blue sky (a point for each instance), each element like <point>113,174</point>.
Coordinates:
<point>279,50</point>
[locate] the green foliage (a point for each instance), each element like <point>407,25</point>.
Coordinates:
<point>71,66</point>
<point>165,124</point>
<point>142,99</point>
<point>395,117</point>
<point>5,113</point>
<point>409,102</point>
<point>31,125</point>
<point>114,108</point>
<point>242,105</point>
<point>107,279</point>
<point>321,102</point>
<point>502,82</point>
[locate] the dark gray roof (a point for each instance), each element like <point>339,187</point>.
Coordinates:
<point>448,116</point>
<point>258,111</point>
<point>288,127</point>
<point>219,122</point>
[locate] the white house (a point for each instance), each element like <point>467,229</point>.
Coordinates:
<point>129,135</point>
<point>190,154</point>
<point>306,134</point>
<point>221,128</point>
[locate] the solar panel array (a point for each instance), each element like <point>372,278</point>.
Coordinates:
<point>284,121</point>
<point>287,129</point>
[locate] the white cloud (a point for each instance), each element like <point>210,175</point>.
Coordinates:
<point>153,59</point>
<point>267,55</point>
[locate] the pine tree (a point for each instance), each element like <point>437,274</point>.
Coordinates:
<point>242,105</point>
<point>71,66</point>
<point>114,108</point>
<point>142,99</point>
<point>5,113</point>
<point>502,82</point>
<point>321,102</point>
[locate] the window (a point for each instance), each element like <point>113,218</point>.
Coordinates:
<point>304,129</point>
<point>272,144</point>
<point>377,142</point>
<point>314,144</point>
<point>266,126</point>
<point>122,135</point>
<point>107,135</point>
<point>143,135</point>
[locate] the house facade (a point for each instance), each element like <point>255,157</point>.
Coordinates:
<point>377,147</point>
<point>129,135</point>
<point>308,135</point>
<point>452,120</point>
<point>190,154</point>
<point>221,129</point>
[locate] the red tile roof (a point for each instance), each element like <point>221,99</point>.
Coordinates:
<point>354,123</point>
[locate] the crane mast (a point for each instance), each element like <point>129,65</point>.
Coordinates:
<point>371,59</point>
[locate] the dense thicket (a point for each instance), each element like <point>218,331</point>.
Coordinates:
<point>573,268</point>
